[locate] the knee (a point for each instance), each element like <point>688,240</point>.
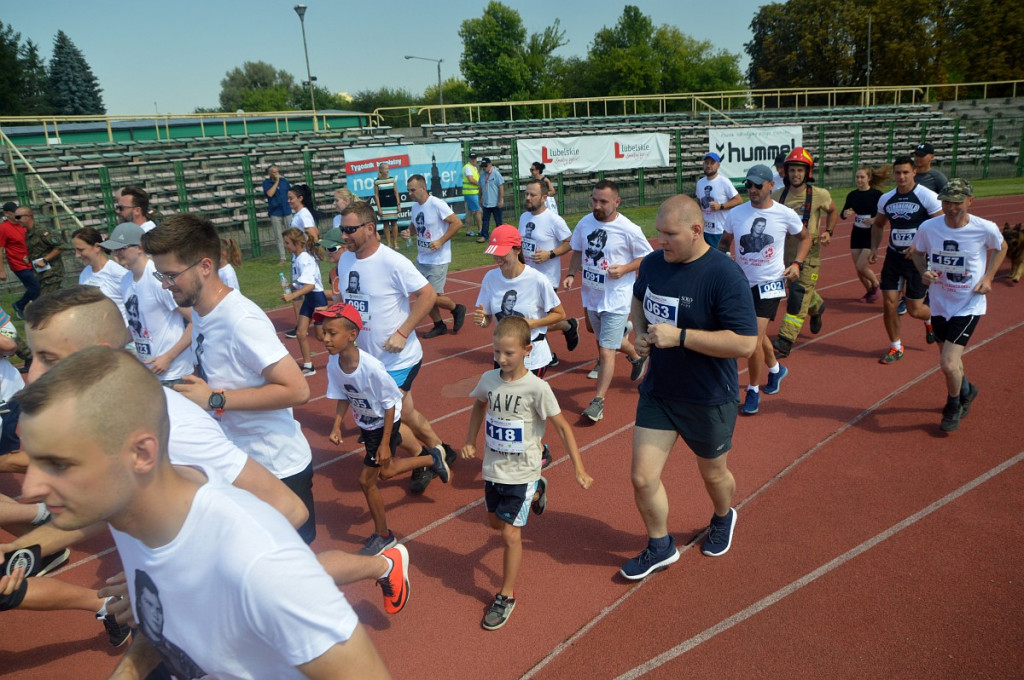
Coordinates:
<point>644,482</point>
<point>949,365</point>
<point>511,536</point>
<point>368,482</point>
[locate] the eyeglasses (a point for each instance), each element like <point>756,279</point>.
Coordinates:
<point>170,279</point>
<point>333,249</point>
<point>352,230</point>
<point>748,184</point>
<point>118,207</point>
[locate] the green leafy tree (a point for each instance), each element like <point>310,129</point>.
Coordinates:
<point>74,90</point>
<point>997,27</point>
<point>239,82</point>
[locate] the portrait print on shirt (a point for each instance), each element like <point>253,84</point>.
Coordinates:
<point>200,371</point>
<point>508,304</point>
<point>131,306</point>
<point>705,200</point>
<point>353,282</point>
<point>151,622</point>
<point>756,240</point>
<point>596,241</point>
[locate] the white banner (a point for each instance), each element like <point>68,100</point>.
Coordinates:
<point>743,147</point>
<point>593,153</point>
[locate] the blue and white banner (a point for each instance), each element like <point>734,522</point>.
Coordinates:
<point>594,153</point>
<point>440,165</point>
<point>744,147</point>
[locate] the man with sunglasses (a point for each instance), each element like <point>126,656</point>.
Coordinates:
<point>133,206</point>
<point>760,228</point>
<point>12,240</point>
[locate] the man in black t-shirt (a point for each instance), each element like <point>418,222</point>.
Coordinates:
<point>694,317</point>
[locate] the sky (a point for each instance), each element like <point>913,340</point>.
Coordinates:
<point>169,57</point>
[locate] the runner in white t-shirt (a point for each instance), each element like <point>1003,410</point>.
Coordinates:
<point>300,200</point>
<point>379,283</point>
<point>716,195</point>
<point>608,247</point>
<point>435,225</point>
<point>759,229</point>
<point>99,271</point>
<point>545,239</point>
<point>958,255</point>
<point>161,331</point>
<point>243,372</point>
<point>307,286</point>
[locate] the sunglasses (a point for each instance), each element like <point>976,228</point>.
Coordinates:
<point>118,207</point>
<point>748,184</point>
<point>333,249</point>
<point>352,230</point>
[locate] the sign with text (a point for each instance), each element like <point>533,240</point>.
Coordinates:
<point>440,165</point>
<point>594,153</point>
<point>744,147</point>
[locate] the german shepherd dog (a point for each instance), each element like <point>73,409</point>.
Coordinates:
<point>1014,250</point>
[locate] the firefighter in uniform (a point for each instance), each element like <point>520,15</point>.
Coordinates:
<point>815,207</point>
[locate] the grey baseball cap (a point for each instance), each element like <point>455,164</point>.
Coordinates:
<point>124,235</point>
<point>759,174</point>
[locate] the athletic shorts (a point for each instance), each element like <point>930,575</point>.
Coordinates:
<point>510,502</point>
<point>404,377</point>
<point>895,270</point>
<point>373,438</point>
<point>301,485</point>
<point>609,328</point>
<point>14,600</point>
<point>706,429</point>
<point>957,330</point>
<point>764,309</point>
<point>860,238</point>
<point>310,301</point>
<point>712,239</point>
<point>435,274</point>
<point>472,202</point>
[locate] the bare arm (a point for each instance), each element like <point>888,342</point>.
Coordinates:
<point>286,387</point>
<point>476,418</point>
<point>569,442</point>
<point>555,315</point>
<point>725,245</point>
<point>354,659</point>
<point>258,481</point>
<point>454,224</point>
<point>139,661</point>
<point>51,539</point>
<point>423,301</point>
<point>732,202</point>
<point>574,266</point>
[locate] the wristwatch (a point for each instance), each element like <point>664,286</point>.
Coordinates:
<point>217,402</point>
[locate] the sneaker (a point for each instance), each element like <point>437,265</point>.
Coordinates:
<point>545,457</point>
<point>19,310</point>
<point>929,334</point>
<point>421,478</point>
<point>440,467</point>
<point>951,415</point>
<point>499,611</point>
<point>901,309</point>
<point>450,456</point>
<point>292,333</point>
<point>572,336</point>
<point>471,233</point>
<point>596,409</point>
<point>816,319</point>
<point>308,371</point>
<point>638,368</point>
<point>872,295</point>
<point>864,297</point>
<point>782,347</point>
<point>752,403</point>
<point>458,318</point>
<point>117,633</point>
<point>541,501</point>
<point>554,360</point>
<point>649,561</point>
<point>482,239</point>
<point>438,329</point>
<point>376,544</point>
<point>51,562</point>
<point>893,356</point>
<point>775,379</point>
<point>966,399</point>
<point>395,586</point>
<point>719,538</point>
<point>593,372</point>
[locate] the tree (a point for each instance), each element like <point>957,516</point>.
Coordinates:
<point>996,26</point>
<point>238,84</point>
<point>12,78</point>
<point>74,90</point>
<point>36,91</point>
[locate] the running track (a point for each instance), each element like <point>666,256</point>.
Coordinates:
<point>868,545</point>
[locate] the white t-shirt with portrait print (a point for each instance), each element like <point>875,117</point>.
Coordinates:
<point>232,345</point>
<point>108,279</point>
<point>369,390</point>
<point>154,321</point>
<point>602,245</point>
<point>721,191</point>
<point>531,297</point>
<point>760,256</point>
<point>306,271</point>
<point>547,232</point>
<point>428,222</point>
<point>379,286</point>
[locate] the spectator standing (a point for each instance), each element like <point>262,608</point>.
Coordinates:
<point>925,175</point>
<point>133,206</point>
<point>12,240</point>
<point>275,188</point>
<point>385,193</point>
<point>471,192</point>
<point>492,197</point>
<point>45,251</point>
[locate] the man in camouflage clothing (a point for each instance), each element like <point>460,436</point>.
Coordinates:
<point>44,251</point>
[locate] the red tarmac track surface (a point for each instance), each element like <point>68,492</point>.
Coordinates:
<point>869,544</point>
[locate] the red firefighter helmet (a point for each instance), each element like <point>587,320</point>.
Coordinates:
<point>802,156</point>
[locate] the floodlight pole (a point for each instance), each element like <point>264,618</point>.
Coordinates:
<point>301,11</point>
<point>440,92</point>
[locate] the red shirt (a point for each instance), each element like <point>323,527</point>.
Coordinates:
<point>12,240</point>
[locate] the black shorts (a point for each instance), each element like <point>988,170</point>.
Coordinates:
<point>957,330</point>
<point>510,502</point>
<point>764,309</point>
<point>14,600</point>
<point>897,268</point>
<point>706,429</point>
<point>373,438</point>
<point>860,238</point>
<point>301,485</point>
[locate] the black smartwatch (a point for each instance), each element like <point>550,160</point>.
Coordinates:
<point>217,402</point>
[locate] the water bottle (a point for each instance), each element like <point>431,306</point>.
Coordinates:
<point>285,286</point>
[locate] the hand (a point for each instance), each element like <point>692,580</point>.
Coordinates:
<point>792,272</point>
<point>480,316</point>
<point>196,390</point>
<point>335,437</point>
<point>395,344</point>
<point>642,344</point>
<point>383,454</point>
<point>159,365</point>
<point>120,606</point>
<point>846,213</point>
<point>10,584</point>
<point>616,271</point>
<point>468,451</point>
<point>715,205</point>
<point>929,277</point>
<point>825,238</point>
<point>436,245</point>
<point>663,335</point>
<point>984,286</point>
<point>873,258</point>
<point>40,263</point>
<point>404,233</point>
<point>566,282</point>
<point>541,256</point>
<point>583,479</point>
<point>286,297</point>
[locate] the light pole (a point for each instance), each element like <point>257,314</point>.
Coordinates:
<point>440,93</point>
<point>301,11</point>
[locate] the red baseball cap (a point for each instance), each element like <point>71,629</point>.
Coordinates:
<point>339,310</point>
<point>503,239</point>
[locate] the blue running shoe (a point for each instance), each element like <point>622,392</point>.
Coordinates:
<point>649,561</point>
<point>752,403</point>
<point>775,379</point>
<point>719,538</point>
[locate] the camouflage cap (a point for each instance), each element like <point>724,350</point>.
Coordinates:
<point>957,190</point>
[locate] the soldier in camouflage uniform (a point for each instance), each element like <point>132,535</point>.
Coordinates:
<point>44,251</point>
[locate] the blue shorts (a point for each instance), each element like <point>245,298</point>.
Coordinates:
<point>310,301</point>
<point>510,502</point>
<point>712,239</point>
<point>608,327</point>
<point>472,202</point>
<point>404,377</point>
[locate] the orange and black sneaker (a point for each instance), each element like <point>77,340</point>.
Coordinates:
<point>395,585</point>
<point>894,355</point>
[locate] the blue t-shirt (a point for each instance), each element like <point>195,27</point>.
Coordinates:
<point>710,293</point>
<point>277,205</point>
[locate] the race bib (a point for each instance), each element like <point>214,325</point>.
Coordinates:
<point>947,262</point>
<point>504,435</point>
<point>143,349</point>
<point>423,244</point>
<point>362,408</point>
<point>361,303</point>
<point>529,248</point>
<point>902,238</point>
<point>593,278</point>
<point>660,309</point>
<point>710,227</point>
<point>862,221</point>
<point>769,290</point>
